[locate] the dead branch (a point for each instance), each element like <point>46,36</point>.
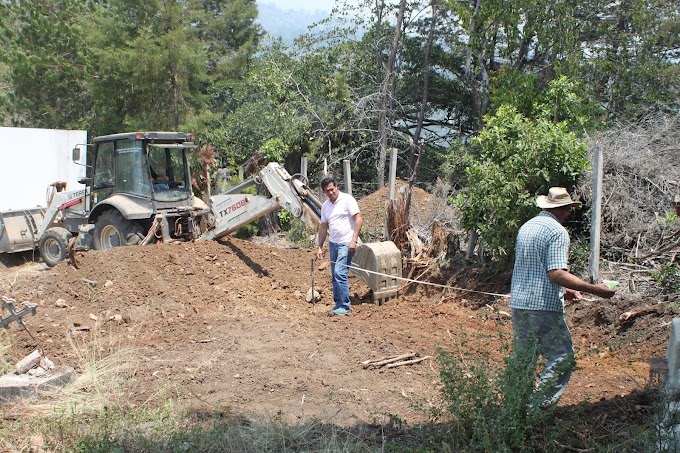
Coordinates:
<point>627,316</point>
<point>386,360</point>
<point>639,187</point>
<point>408,362</point>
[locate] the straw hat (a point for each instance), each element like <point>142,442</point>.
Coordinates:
<point>557,197</point>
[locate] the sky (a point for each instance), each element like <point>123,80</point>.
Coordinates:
<point>308,5</point>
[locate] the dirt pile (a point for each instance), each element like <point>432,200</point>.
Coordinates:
<point>373,206</point>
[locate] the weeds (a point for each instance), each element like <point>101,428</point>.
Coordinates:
<point>668,278</point>
<point>296,231</point>
<point>489,405</point>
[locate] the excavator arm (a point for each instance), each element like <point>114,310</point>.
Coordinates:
<point>378,263</point>
<point>233,209</point>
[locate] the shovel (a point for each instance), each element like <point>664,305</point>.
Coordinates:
<point>312,296</point>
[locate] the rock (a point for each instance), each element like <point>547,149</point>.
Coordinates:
<point>61,303</point>
<point>308,296</point>
<point>37,371</point>
<point>30,361</point>
<point>46,363</point>
<point>108,284</point>
<point>14,386</point>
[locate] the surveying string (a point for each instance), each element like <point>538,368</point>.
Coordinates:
<point>421,282</point>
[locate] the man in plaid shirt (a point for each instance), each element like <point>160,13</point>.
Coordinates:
<point>540,284</point>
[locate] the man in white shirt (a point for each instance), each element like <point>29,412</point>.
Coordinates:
<point>341,221</point>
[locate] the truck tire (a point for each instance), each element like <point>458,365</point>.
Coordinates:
<point>112,230</point>
<point>53,245</point>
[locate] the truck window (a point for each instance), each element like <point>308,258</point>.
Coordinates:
<point>132,176</point>
<point>169,172</point>
<point>103,167</point>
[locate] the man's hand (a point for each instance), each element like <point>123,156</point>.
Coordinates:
<point>319,253</point>
<point>352,246</point>
<point>571,282</point>
<point>572,295</point>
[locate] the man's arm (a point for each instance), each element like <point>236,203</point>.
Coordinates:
<point>323,232</point>
<point>568,280</point>
<point>358,222</point>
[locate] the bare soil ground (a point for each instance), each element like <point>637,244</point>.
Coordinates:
<point>226,324</point>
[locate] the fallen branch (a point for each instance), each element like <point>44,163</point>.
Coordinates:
<point>386,360</point>
<point>408,362</point>
<point>496,310</point>
<point>627,316</point>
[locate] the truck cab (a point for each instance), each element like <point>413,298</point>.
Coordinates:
<point>149,165</point>
<point>137,177</point>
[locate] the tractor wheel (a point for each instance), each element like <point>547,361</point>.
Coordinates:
<point>112,230</point>
<point>53,245</point>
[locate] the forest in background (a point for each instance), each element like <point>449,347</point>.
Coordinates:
<point>499,98</point>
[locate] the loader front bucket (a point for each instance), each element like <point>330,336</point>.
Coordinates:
<point>379,265</point>
<point>18,229</point>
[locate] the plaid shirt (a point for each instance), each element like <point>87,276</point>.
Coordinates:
<point>542,246</point>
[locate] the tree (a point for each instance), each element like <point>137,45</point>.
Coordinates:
<point>149,66</point>
<point>517,158</point>
<point>47,59</point>
<point>633,50</point>
<point>384,117</point>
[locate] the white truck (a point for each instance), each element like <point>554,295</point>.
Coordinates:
<point>140,192</point>
<point>35,158</point>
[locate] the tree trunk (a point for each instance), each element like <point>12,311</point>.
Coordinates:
<point>384,117</point>
<point>379,11</point>
<point>417,148</point>
<point>175,96</point>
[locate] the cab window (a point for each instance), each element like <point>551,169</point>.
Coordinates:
<point>132,176</point>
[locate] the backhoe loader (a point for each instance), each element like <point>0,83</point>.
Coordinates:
<point>140,192</point>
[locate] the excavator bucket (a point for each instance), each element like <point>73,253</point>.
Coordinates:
<point>19,229</point>
<point>379,265</point>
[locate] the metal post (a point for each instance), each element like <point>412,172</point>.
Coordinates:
<point>472,243</point>
<point>392,181</point>
<point>348,176</point>
<point>303,167</point>
<point>594,259</point>
<point>393,174</point>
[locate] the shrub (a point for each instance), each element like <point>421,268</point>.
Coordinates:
<point>668,278</point>
<point>489,405</point>
<point>518,158</point>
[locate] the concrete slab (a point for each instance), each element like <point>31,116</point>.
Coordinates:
<point>14,386</point>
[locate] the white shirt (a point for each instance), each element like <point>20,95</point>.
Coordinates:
<point>340,218</point>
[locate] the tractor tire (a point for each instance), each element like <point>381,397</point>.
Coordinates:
<point>53,245</point>
<point>112,230</point>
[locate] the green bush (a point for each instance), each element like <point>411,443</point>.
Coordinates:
<point>518,158</point>
<point>668,278</point>
<point>490,405</point>
<point>295,229</point>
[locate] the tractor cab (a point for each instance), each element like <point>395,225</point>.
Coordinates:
<point>150,165</point>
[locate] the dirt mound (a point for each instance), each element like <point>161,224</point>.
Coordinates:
<point>373,207</point>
